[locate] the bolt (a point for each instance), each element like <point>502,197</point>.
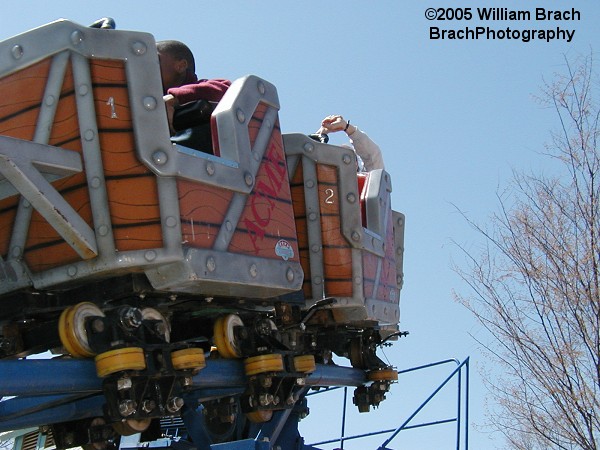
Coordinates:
<point>127,408</point>
<point>300,381</point>
<point>98,326</point>
<point>148,406</point>
<point>124,383</point>
<point>174,404</point>
<point>131,317</point>
<point>187,381</point>
<point>267,382</point>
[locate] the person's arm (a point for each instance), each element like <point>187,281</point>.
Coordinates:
<point>369,151</point>
<point>211,90</point>
<point>364,146</point>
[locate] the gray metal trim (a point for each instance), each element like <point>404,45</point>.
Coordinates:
<point>313,228</point>
<point>92,155</point>
<point>18,161</point>
<point>204,270</point>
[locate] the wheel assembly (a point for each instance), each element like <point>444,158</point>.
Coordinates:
<point>188,358</point>
<point>305,363</point>
<point>383,375</point>
<point>71,328</point>
<point>224,336</point>
<point>130,358</point>
<point>272,362</point>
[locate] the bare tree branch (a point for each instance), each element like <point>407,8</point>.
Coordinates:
<point>535,284</point>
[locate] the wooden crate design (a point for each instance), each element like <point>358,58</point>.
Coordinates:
<point>350,240</point>
<point>92,188</point>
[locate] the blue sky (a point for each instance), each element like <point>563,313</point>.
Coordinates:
<point>453,118</point>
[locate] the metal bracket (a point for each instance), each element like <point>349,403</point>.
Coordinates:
<point>22,164</point>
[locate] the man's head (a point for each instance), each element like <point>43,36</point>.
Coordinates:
<point>176,60</point>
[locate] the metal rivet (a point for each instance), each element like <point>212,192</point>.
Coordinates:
<point>228,225</point>
<point>355,236</point>
<point>267,123</point>
<point>150,255</point>
<point>312,216</point>
<point>399,251</point>
<point>211,264</point>
<point>290,274</point>
<point>400,221</point>
<point>139,48</point>
<point>310,183</point>
<point>241,117</point>
<point>72,271</point>
<point>308,147</point>
<point>248,179</point>
<point>25,203</point>
<point>150,103</point>
<point>16,251</point>
<point>210,168</point>
<point>17,51</point>
<point>83,89</point>
<point>89,135</point>
<point>315,248</point>
<point>261,87</point>
<point>171,221</point>
<point>399,280</point>
<point>160,158</point>
<point>50,99</point>
<point>102,230</point>
<point>357,280</point>
<point>76,37</point>
<point>351,197</point>
<point>253,270</point>
<point>318,280</point>
<point>346,158</point>
<point>96,182</point>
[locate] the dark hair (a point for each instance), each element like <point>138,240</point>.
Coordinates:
<point>177,50</point>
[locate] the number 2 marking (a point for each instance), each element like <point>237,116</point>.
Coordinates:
<point>329,198</point>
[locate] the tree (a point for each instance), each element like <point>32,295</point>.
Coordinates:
<point>535,283</point>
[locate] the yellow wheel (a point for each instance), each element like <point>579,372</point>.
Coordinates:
<point>263,363</point>
<point>130,358</point>
<point>131,426</point>
<point>305,363</point>
<point>188,358</point>
<point>225,338</point>
<point>383,375</point>
<point>260,416</point>
<point>71,328</point>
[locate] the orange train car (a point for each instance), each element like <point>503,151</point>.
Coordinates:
<point>118,244</point>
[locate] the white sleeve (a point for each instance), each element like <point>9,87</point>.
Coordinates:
<point>368,150</point>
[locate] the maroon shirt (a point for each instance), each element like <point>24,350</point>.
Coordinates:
<point>194,89</point>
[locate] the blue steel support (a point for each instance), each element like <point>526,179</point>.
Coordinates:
<point>59,390</point>
<point>464,364</point>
